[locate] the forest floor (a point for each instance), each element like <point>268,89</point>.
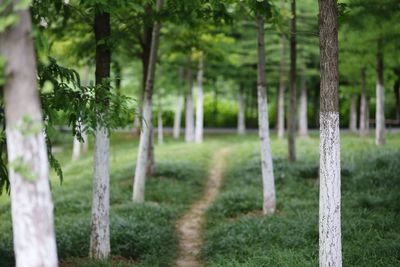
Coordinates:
<point>229,229</point>
<point>189,226</point>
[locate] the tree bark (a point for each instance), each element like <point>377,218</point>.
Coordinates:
<point>100,228</point>
<point>179,106</point>
<point>144,144</point>
<point>76,149</point>
<point>189,120</point>
<point>269,202</point>
<point>303,120</point>
<point>199,102</point>
<point>159,120</point>
<point>380,130</point>
<point>241,114</point>
<point>31,203</point>
<point>353,114</point>
<point>280,113</point>
<point>364,119</point>
<point>330,249</point>
<point>292,89</point>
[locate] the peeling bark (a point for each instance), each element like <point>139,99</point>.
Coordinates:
<point>269,202</point>
<point>144,144</point>
<point>31,203</point>
<point>199,103</point>
<point>330,248</point>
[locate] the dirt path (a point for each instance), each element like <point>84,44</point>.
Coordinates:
<point>189,226</point>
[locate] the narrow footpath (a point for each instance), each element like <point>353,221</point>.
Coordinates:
<point>189,226</point>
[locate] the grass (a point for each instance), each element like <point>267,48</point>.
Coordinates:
<point>141,234</point>
<point>235,233</point>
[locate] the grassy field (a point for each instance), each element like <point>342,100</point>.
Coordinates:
<point>235,233</point>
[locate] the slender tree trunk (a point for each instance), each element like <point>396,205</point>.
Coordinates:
<point>178,116</point>
<point>380,138</point>
<point>280,113</point>
<point>330,248</point>
<point>144,145</point>
<point>100,228</point>
<point>189,120</point>
<point>179,106</point>
<point>199,102</point>
<point>269,203</point>
<point>364,120</point>
<point>76,149</point>
<point>31,203</point>
<point>353,114</point>
<point>303,120</point>
<point>159,119</point>
<point>241,114</point>
<point>292,89</point>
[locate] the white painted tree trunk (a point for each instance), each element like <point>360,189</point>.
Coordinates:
<point>280,116</point>
<point>160,132</point>
<point>85,145</point>
<point>100,227</point>
<point>31,203</point>
<point>380,133</point>
<point>364,119</point>
<point>330,246</point>
<point>199,103</point>
<point>353,114</point>
<point>241,113</point>
<point>303,121</point>
<point>329,196</point>
<point>76,149</point>
<point>144,144</point>
<point>269,202</point>
<point>189,119</point>
<point>178,116</point>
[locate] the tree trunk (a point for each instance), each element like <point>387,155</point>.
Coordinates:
<point>179,106</point>
<point>280,112</point>
<point>199,103</point>
<point>100,228</point>
<point>364,120</point>
<point>178,116</point>
<point>330,248</point>
<point>292,89</point>
<point>303,120</point>
<point>241,114</point>
<point>380,138</point>
<point>353,114</point>
<point>144,144</point>
<point>159,120</point>
<point>189,123</point>
<point>76,149</point>
<point>269,203</point>
<point>31,203</point>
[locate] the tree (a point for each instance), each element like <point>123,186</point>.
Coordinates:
<point>330,249</point>
<point>380,97</point>
<point>198,138</point>
<point>32,207</point>
<point>269,202</point>
<point>280,114</point>
<point>179,106</point>
<point>292,88</point>
<point>364,119</point>
<point>144,144</point>
<point>241,124</point>
<point>100,228</point>
<point>189,118</point>
<point>353,113</point>
<point>303,121</point>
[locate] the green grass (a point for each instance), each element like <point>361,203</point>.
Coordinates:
<point>141,234</point>
<point>236,234</point>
